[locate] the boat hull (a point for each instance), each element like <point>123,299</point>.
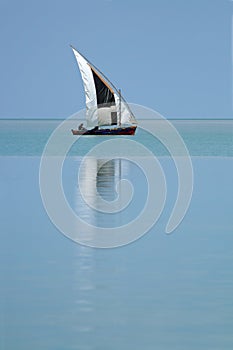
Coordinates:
<point>130,130</point>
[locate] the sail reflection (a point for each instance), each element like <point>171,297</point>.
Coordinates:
<point>84,290</point>
<point>107,176</point>
<point>98,179</point>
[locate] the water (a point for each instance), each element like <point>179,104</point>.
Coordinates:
<point>202,137</point>
<point>160,292</point>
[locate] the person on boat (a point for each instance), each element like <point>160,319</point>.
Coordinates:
<point>81,127</point>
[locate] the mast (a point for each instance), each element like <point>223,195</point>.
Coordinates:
<point>119,107</point>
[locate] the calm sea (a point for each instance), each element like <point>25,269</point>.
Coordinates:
<point>202,137</point>
<point>160,292</point>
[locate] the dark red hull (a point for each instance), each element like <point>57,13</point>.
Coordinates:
<point>130,130</point>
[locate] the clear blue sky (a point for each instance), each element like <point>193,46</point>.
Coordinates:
<point>170,55</point>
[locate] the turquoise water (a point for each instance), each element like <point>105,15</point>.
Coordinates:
<point>161,292</point>
<point>202,137</point>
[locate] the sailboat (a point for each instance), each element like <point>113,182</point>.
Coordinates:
<point>107,112</point>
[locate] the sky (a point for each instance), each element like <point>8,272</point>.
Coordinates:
<point>174,56</point>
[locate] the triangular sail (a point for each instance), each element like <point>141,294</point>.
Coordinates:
<point>104,93</point>
<point>124,114</point>
<point>102,102</point>
<point>89,87</point>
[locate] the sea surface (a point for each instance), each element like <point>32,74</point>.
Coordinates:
<point>160,292</point>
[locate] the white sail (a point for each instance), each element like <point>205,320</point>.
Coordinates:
<point>89,87</point>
